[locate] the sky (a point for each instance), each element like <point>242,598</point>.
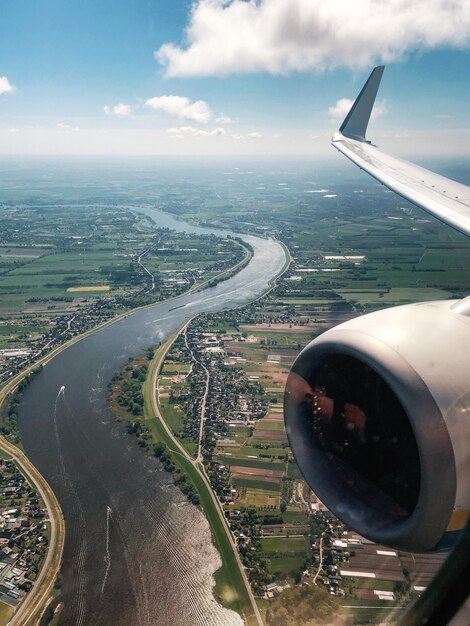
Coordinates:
<point>210,77</point>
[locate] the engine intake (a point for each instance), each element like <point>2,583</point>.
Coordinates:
<point>377,415</point>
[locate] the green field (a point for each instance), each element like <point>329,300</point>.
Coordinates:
<point>173,415</point>
<point>295,517</point>
<point>268,425</point>
<point>274,451</point>
<point>282,544</point>
<point>283,566</point>
<point>396,295</point>
<point>293,471</point>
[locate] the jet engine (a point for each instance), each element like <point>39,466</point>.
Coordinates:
<point>377,413</point>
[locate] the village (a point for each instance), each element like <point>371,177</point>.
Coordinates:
<point>221,389</point>
<point>24,534</point>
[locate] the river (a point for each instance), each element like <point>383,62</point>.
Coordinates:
<point>136,552</point>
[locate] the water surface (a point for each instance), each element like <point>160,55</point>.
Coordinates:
<point>136,552</point>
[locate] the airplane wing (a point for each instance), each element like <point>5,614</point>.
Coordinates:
<point>444,198</point>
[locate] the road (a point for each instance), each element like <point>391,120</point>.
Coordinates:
<point>300,493</point>
<point>139,258</point>
<point>204,397</point>
<point>320,560</point>
<point>200,468</point>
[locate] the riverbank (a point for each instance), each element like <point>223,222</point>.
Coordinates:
<point>37,600</point>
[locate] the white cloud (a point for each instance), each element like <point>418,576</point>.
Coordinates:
<point>119,109</point>
<point>130,140</point>
<point>182,108</point>
<point>223,119</point>
<point>66,128</point>
<point>5,85</point>
<point>254,135</point>
<point>235,136</point>
<point>338,111</point>
<point>234,36</point>
<point>13,130</point>
<point>190,131</point>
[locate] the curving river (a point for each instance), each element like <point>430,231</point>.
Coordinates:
<point>136,552</point>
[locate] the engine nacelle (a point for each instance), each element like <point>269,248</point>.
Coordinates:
<point>377,413</point>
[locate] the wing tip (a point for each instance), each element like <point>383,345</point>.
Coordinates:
<point>356,121</point>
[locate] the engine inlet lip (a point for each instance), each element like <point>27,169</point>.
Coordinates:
<point>422,529</point>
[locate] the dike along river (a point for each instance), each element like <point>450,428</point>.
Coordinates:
<point>136,552</point>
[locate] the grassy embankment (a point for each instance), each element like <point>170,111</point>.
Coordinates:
<point>230,587</point>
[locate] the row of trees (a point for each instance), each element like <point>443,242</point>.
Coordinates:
<point>9,416</point>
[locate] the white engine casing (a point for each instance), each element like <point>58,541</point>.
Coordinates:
<point>422,352</point>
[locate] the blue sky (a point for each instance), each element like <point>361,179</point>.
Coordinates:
<point>78,75</point>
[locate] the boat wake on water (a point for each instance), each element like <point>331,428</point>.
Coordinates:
<point>107,555</point>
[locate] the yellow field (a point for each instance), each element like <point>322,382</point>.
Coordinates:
<point>93,288</point>
<point>6,612</point>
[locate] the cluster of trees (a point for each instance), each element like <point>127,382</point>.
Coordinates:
<point>161,452</point>
<point>142,433</point>
<point>187,488</point>
<point>181,479</point>
<point>287,491</point>
<point>282,457</point>
<point>126,391</point>
<point>266,446</point>
<point>130,390</point>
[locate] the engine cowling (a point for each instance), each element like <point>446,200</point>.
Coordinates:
<point>377,414</point>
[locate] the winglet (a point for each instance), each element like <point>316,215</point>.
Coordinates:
<point>356,121</point>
